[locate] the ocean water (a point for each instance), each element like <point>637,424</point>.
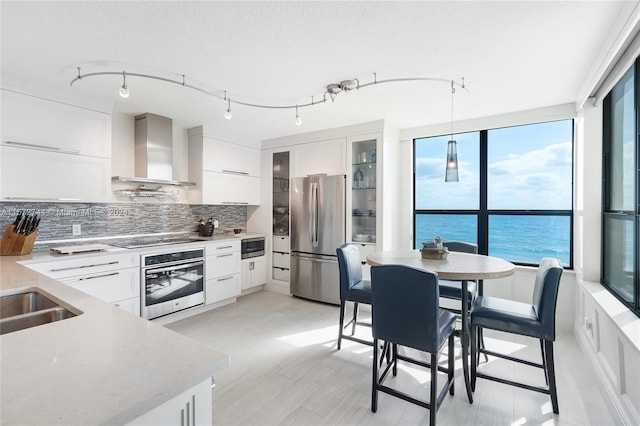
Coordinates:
<point>525,239</point>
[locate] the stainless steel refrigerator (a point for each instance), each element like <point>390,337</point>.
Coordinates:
<point>317,229</point>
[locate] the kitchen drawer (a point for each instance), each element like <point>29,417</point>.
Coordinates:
<point>222,247</point>
<point>222,264</point>
<point>110,286</point>
<point>281,244</point>
<point>86,265</point>
<point>281,260</point>
<point>281,274</point>
<point>130,305</point>
<point>222,288</point>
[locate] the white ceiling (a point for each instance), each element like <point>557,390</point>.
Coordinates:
<point>513,55</point>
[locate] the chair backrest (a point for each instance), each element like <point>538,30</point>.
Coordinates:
<point>349,266</point>
<point>545,295</point>
<point>404,307</point>
<point>459,246</point>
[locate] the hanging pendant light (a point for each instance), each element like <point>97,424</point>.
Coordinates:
<point>124,90</point>
<point>451,173</point>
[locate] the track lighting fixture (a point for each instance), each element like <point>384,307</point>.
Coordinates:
<point>451,173</point>
<point>124,90</point>
<point>332,89</point>
<point>298,119</point>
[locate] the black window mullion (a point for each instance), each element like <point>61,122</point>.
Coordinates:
<point>483,216</point>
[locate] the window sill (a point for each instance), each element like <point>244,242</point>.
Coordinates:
<point>624,319</point>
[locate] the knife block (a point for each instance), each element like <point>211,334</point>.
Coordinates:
<point>15,244</point>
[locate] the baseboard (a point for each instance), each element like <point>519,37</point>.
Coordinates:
<point>613,398</point>
<point>277,288</point>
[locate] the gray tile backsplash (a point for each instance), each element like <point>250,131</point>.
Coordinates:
<point>119,219</point>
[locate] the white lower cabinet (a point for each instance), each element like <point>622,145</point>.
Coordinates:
<point>222,271</point>
<point>190,408</point>
<point>280,258</point>
<point>113,278</point>
<point>254,272</point>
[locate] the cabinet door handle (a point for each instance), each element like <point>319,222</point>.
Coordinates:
<point>193,410</point>
<point>115,262</point>
<point>98,276</point>
<point>235,172</point>
<point>175,268</point>
<point>42,147</point>
<point>235,202</point>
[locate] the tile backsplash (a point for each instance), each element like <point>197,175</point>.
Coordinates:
<point>118,219</point>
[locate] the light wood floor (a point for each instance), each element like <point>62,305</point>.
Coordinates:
<point>285,370</point>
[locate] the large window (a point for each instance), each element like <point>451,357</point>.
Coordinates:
<point>514,197</point>
<point>621,173</point>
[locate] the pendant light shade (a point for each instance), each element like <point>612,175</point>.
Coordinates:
<point>451,174</point>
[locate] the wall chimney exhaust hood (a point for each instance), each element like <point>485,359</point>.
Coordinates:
<point>153,153</point>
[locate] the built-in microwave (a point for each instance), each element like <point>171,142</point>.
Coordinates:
<point>252,247</point>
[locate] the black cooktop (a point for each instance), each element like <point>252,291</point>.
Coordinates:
<point>151,242</point>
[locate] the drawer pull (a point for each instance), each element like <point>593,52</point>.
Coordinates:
<point>226,278</point>
<point>225,255</point>
<point>223,247</point>
<point>98,276</point>
<point>115,262</point>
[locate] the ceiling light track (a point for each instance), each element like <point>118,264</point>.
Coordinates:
<point>331,89</point>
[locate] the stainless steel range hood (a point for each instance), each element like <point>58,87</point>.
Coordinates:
<point>153,153</point>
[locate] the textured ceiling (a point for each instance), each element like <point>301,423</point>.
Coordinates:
<point>514,56</point>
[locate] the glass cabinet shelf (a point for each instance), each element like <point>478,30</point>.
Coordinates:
<point>363,191</point>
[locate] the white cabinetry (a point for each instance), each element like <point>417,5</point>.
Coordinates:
<point>319,157</point>
<point>254,272</point>
<point>222,271</point>
<point>190,408</point>
<point>224,172</point>
<point>114,278</point>
<point>280,258</point>
<point>53,151</point>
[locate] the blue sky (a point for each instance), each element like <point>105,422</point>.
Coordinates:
<point>530,167</point>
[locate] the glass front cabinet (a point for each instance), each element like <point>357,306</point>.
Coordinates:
<point>363,224</point>
<point>280,251</point>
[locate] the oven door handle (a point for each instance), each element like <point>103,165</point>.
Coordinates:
<point>174,268</point>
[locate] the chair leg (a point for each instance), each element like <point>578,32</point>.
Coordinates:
<point>355,318</point>
<point>433,398</point>
<point>394,358</point>
<point>374,381</point>
<point>544,362</point>
<point>451,365</point>
<point>474,354</point>
<point>481,345</point>
<point>548,351</point>
<point>342,303</point>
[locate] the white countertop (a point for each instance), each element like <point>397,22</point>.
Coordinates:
<point>104,366</point>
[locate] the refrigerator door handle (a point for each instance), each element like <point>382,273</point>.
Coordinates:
<point>313,222</point>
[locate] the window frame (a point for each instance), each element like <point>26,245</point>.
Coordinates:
<point>632,216</point>
<point>483,213</point>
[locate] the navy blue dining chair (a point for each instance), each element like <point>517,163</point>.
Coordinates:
<point>405,312</point>
<point>537,320</point>
<point>352,289</point>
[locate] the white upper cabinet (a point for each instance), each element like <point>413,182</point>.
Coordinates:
<point>224,172</point>
<point>52,151</point>
<point>327,156</point>
<point>39,123</point>
<point>230,158</point>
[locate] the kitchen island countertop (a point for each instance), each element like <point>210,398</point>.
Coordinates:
<point>104,366</point>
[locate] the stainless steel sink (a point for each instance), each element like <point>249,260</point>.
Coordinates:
<point>31,308</point>
<point>23,303</point>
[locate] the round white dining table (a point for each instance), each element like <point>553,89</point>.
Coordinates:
<point>457,266</point>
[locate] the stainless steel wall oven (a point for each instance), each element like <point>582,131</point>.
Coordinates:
<point>171,282</point>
